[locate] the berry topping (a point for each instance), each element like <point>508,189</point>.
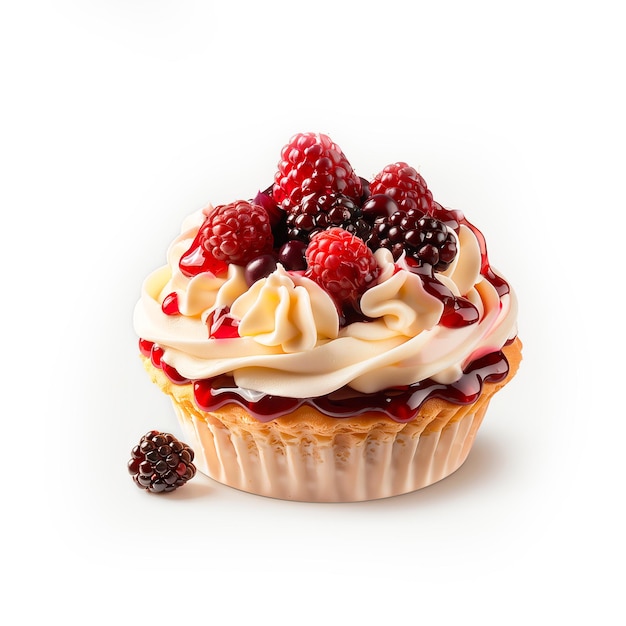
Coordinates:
<point>313,163</point>
<point>266,200</point>
<point>260,267</point>
<point>378,205</point>
<point>231,233</point>
<point>319,212</point>
<point>365,189</point>
<point>292,255</point>
<point>402,183</point>
<point>424,239</point>
<point>341,264</point>
<point>160,462</point>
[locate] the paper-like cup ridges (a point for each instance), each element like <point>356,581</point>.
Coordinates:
<point>310,457</point>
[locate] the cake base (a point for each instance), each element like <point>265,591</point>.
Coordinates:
<point>307,456</point>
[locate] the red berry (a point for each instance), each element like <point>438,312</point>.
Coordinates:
<point>313,163</point>
<point>424,239</point>
<point>402,183</point>
<point>231,233</point>
<point>341,264</point>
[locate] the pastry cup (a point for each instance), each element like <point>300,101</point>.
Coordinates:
<point>307,456</point>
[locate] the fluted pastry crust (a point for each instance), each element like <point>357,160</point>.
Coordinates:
<point>306,455</point>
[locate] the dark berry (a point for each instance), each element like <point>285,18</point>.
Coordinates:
<point>258,268</point>
<point>319,212</point>
<point>425,240</point>
<point>161,463</point>
<point>378,205</point>
<point>313,163</point>
<point>365,189</point>
<point>291,255</point>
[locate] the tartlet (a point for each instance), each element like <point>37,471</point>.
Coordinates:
<point>331,338</point>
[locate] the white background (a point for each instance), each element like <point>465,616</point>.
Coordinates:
<point>120,117</point>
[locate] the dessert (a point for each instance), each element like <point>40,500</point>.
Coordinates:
<point>330,338</point>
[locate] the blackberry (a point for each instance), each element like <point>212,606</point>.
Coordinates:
<point>319,212</point>
<point>425,239</point>
<point>161,463</point>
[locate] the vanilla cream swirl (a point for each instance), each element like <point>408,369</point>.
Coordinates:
<point>290,342</point>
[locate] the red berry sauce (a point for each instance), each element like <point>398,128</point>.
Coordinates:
<point>221,324</point>
<point>170,304</point>
<point>399,403</point>
<point>457,311</point>
<point>500,285</point>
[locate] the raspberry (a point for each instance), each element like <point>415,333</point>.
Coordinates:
<point>321,211</point>
<point>425,239</point>
<point>402,183</point>
<point>160,462</point>
<point>313,163</point>
<point>341,264</point>
<point>231,233</point>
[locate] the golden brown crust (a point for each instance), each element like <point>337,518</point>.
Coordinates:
<point>433,416</point>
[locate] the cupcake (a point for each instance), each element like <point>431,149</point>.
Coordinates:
<point>331,338</point>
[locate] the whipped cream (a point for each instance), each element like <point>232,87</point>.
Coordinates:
<point>290,340</point>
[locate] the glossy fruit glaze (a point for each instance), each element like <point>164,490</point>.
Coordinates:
<point>399,403</point>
